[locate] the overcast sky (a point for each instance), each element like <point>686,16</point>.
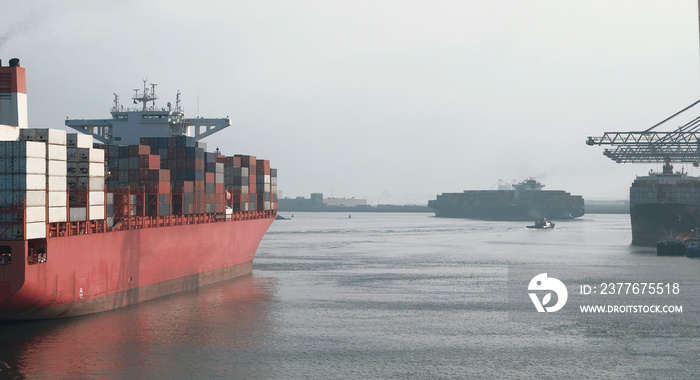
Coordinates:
<point>364,98</point>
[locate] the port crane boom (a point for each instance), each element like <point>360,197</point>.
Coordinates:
<point>650,145</point>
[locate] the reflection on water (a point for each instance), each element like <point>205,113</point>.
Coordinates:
<point>165,336</point>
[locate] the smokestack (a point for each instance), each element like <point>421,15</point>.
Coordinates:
<point>13,95</point>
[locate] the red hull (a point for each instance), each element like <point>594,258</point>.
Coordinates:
<point>90,273</point>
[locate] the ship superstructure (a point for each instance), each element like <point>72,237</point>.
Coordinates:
<point>134,210</point>
<point>128,125</point>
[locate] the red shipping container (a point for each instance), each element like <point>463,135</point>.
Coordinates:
<point>209,177</point>
<point>138,150</point>
<point>164,188</point>
<point>149,161</point>
<point>262,167</point>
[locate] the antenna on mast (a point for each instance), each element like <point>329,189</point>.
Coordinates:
<point>153,95</point>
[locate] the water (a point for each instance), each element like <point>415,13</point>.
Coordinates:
<point>378,295</point>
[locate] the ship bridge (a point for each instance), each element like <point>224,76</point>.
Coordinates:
<point>127,126</point>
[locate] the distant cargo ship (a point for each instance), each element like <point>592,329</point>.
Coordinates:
<point>664,205</point>
<point>132,209</point>
<point>526,201</point>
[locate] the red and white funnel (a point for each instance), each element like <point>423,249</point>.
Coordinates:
<point>13,95</point>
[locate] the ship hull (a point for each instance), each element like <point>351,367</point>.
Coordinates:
<point>654,221</point>
<point>92,273</point>
<point>507,213</point>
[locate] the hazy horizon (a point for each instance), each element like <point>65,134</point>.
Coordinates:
<point>378,99</point>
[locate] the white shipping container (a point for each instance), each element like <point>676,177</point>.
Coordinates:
<point>58,199</point>
<point>57,167</point>
<point>78,214</point>
<point>33,181</point>
<point>33,197</point>
<point>97,169</point>
<point>35,214</point>
<point>58,214</point>
<point>97,212</point>
<point>79,140</point>
<point>219,178</point>
<point>96,198</point>
<point>57,183</point>
<point>110,198</point>
<point>51,136</point>
<point>96,183</point>
<point>36,230</point>
<point>267,178</point>
<point>220,167</point>
<point>56,152</point>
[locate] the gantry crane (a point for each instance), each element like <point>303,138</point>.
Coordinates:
<point>650,145</point>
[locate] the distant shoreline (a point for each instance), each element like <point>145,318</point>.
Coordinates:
<point>363,208</point>
<point>595,208</point>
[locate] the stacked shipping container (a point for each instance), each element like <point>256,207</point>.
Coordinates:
<point>251,183</point>
<point>646,191</point>
<point>22,182</point>
<point>85,178</point>
<point>62,178</point>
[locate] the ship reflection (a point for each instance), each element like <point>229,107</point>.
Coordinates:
<point>157,337</point>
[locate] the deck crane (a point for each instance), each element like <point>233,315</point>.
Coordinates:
<point>652,145</point>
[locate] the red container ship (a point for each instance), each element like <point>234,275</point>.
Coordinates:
<point>130,209</point>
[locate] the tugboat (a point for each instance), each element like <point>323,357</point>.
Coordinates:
<point>671,246</point>
<point>692,247</point>
<point>542,223</point>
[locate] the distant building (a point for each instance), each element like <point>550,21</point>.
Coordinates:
<point>317,203</point>
<point>317,200</point>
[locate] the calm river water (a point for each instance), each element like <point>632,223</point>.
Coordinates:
<point>389,296</point>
